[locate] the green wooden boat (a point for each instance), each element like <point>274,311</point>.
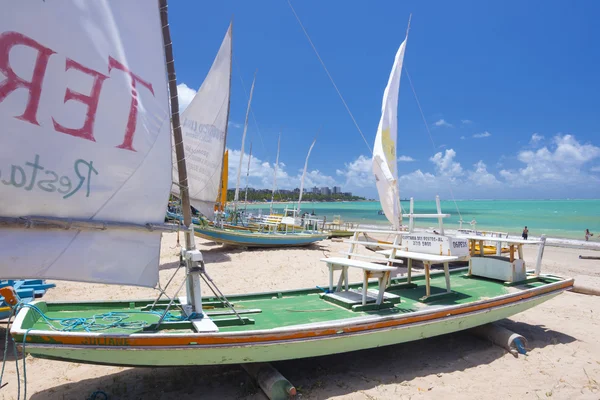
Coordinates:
<point>109,230</point>
<point>277,325</point>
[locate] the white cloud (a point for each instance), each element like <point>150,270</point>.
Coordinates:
<point>482,135</point>
<point>561,164</point>
<point>186,95</point>
<point>466,121</point>
<point>481,177</point>
<point>462,138</point>
<point>442,122</point>
<point>449,177</point>
<point>261,174</point>
<point>235,125</point>
<point>358,173</point>
<point>595,169</point>
<point>536,138</point>
<point>405,159</point>
<point>445,164</point>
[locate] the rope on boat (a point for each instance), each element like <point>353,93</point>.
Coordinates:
<point>323,289</point>
<point>105,321</point>
<point>14,346</point>
<point>91,324</point>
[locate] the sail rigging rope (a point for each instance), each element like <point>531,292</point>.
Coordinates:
<point>430,136</point>
<point>330,77</point>
<point>251,109</point>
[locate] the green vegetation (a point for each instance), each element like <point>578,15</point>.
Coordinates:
<point>290,195</point>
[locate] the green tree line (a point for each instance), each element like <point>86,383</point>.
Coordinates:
<point>265,195</point>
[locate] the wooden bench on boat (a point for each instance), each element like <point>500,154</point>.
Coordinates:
<point>370,270</point>
<point>270,222</point>
<point>428,260</point>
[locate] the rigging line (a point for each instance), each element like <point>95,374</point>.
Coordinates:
<point>330,77</point>
<point>430,136</point>
<point>251,108</point>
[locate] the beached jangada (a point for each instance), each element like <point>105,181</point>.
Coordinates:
<point>88,81</point>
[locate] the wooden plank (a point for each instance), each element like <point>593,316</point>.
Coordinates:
<point>378,231</point>
<point>498,239</point>
<point>357,264</point>
<point>435,258</point>
<point>385,245</point>
<point>382,259</point>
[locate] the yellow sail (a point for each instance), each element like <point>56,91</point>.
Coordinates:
<point>223,193</point>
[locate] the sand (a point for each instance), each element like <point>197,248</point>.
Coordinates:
<point>563,361</point>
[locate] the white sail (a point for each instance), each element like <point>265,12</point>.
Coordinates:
<point>204,129</point>
<point>304,173</point>
<point>385,165</point>
<point>85,135</point>
<point>239,171</point>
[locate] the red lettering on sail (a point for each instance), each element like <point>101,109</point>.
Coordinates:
<point>91,101</point>
<point>131,122</point>
<point>13,82</point>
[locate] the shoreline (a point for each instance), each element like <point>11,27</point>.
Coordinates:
<point>565,228</point>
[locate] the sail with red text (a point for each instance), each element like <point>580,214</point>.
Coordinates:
<point>85,136</point>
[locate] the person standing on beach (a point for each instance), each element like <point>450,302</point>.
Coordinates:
<point>588,234</point>
<point>525,233</point>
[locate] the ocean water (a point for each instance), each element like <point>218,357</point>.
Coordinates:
<point>555,218</point>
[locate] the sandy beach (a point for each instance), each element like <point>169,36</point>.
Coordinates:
<point>563,361</point>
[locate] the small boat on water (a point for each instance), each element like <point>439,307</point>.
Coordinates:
<point>338,228</point>
<point>123,214</point>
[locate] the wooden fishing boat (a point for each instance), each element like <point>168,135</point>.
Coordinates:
<point>276,238</point>
<point>278,325</point>
<point>117,210</point>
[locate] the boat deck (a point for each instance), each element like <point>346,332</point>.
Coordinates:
<point>273,310</point>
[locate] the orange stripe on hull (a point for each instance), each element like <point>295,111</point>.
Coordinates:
<point>197,339</point>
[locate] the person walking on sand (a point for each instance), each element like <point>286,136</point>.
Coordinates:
<point>588,234</point>
<point>525,233</point>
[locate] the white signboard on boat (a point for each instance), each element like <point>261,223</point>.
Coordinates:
<point>436,244</point>
<point>85,134</point>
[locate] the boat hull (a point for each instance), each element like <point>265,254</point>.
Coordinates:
<point>257,239</point>
<point>264,351</point>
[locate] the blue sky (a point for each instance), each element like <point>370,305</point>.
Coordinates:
<point>510,91</point>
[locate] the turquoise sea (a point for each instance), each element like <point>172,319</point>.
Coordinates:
<point>554,218</point>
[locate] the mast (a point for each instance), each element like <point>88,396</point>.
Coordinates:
<point>397,180</point>
<point>275,174</point>
<point>304,173</point>
<point>177,135</point>
<point>239,171</point>
<point>247,178</point>
<point>222,206</point>
<point>224,181</point>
